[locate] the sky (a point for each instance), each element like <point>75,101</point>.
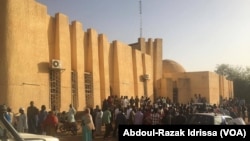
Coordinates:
<point>197,34</point>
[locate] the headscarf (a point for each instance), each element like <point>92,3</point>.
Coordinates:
<point>87,116</point>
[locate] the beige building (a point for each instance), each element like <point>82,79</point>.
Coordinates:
<point>52,61</point>
<point>181,86</point>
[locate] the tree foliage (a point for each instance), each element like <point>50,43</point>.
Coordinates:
<point>240,77</point>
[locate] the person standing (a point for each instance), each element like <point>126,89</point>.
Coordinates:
<point>87,126</point>
<point>71,119</point>
<point>50,124</point>
<point>21,121</point>
<point>138,118</point>
<point>32,118</point>
<point>8,116</point>
<point>11,115</point>
<point>93,112</point>
<point>120,120</point>
<point>156,118</point>
<point>106,119</point>
<point>71,114</point>
<point>180,118</point>
<point>137,100</point>
<point>41,117</point>
<point>98,122</point>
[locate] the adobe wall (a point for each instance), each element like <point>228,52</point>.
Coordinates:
<point>139,83</point>
<point>123,82</point>
<point>92,62</point>
<point>220,86</point>
<point>145,52</point>
<point>3,53</point>
<point>199,84</point>
<point>209,84</point>
<point>31,38</point>
<point>182,81</point>
<point>148,65</point>
<point>226,87</point>
<point>24,42</point>
<point>157,65</point>
<point>214,88</point>
<point>77,60</point>
<point>104,53</point>
<point>63,53</point>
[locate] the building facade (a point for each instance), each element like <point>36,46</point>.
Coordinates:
<point>183,87</point>
<point>52,61</point>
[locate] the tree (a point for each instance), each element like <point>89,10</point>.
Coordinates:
<point>240,77</point>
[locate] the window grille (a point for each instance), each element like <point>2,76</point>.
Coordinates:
<point>55,89</point>
<point>74,89</point>
<point>88,89</point>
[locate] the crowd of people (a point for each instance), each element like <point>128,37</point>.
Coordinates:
<point>142,111</point>
<point>37,121</point>
<point>115,111</point>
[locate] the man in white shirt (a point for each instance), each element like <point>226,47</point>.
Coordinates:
<point>71,114</point>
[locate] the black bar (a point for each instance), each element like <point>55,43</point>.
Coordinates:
<point>161,132</point>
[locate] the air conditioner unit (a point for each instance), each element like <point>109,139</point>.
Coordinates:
<point>56,64</point>
<point>146,76</point>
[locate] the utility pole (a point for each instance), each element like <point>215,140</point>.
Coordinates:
<point>140,7</point>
